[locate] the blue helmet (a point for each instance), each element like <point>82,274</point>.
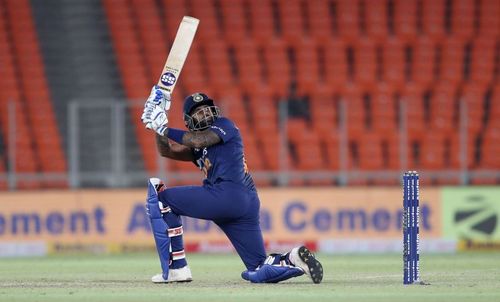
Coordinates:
<point>210,113</point>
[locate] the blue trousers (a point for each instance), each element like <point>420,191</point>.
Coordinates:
<point>234,208</point>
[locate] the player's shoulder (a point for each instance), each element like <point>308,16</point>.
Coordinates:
<point>224,121</point>
<point>225,128</point>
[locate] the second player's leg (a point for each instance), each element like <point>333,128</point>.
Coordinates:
<point>246,237</point>
<point>219,202</point>
<point>234,210</point>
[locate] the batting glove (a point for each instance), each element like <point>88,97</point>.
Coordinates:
<point>157,97</point>
<point>158,120</point>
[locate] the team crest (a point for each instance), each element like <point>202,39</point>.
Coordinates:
<point>197,97</point>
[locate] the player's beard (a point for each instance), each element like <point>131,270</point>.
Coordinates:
<point>208,116</point>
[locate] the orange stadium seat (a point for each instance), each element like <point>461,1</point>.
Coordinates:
<point>264,114</point>
<point>309,154</point>
<point>442,108</point>
<point>336,63</point>
<point>232,105</point>
<point>235,21</point>
<point>271,151</point>
<point>424,59</point>
<point>250,71</point>
<point>3,182</point>
<point>324,115</point>
<point>473,98</point>
<point>321,20</point>
<point>370,151</point>
<point>405,19</point>
<point>433,18</point>
<point>32,80</point>
<point>252,153</point>
<point>483,56</point>
<point>219,69</point>
<point>376,19</point>
<point>292,21</point>
<point>391,151</point>
<point>262,21</point>
<point>173,11</point>
<point>413,149</point>
<point>279,68</point>
<point>124,34</point>
<point>245,127</point>
<point>432,151</point>
<point>494,112</point>
<point>348,19</point>
<point>176,117</point>
<point>151,36</point>
<point>353,101</point>
<point>185,166</point>
<point>194,75</point>
<point>306,145</point>
<point>394,61</point>
<point>493,122</point>
<point>454,158</point>
<point>452,58</point>
<point>489,23</point>
<point>365,61</point>
<point>383,108</point>
<point>491,149</point>
<point>462,19</point>
<point>331,145</point>
<point>209,30</point>
<point>412,100</point>
<point>296,129</point>
<point>307,65</point>
<point>371,56</point>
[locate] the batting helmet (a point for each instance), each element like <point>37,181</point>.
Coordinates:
<point>210,113</point>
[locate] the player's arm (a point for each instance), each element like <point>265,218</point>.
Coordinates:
<point>173,151</point>
<point>199,139</point>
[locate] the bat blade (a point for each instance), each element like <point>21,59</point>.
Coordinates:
<point>178,53</point>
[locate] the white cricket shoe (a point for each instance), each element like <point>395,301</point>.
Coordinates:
<point>303,258</point>
<point>182,274</point>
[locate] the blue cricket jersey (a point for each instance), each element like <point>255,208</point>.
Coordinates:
<point>224,161</point>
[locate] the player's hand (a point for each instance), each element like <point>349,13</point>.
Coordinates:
<point>158,120</point>
<point>158,97</point>
<point>146,115</point>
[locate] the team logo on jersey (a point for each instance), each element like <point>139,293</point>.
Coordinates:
<point>197,97</point>
<point>218,128</point>
<point>168,79</point>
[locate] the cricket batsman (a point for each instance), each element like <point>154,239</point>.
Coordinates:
<point>228,195</point>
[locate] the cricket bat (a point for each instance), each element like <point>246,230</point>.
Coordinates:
<point>178,53</point>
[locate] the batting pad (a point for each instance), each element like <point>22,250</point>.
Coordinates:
<point>159,228</point>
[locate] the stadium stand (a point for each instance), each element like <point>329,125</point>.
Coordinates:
<point>37,137</point>
<point>374,60</point>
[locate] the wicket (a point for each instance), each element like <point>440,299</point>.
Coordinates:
<point>411,213</point>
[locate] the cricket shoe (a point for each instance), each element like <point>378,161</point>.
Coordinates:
<point>182,274</point>
<point>303,258</point>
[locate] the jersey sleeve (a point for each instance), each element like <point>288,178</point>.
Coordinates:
<point>224,128</point>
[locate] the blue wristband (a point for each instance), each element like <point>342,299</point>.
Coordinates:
<point>175,135</point>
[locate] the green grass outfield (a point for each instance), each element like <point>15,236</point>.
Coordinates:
<point>455,277</point>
